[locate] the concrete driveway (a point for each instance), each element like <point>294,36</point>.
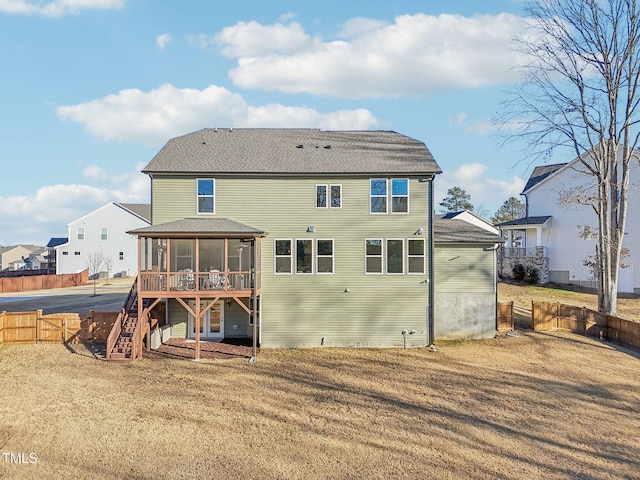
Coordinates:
<point>109,296</point>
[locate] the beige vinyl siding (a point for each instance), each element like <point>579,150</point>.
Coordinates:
<point>178,319</point>
<point>301,310</point>
<point>464,268</point>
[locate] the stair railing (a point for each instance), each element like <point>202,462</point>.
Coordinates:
<point>115,333</point>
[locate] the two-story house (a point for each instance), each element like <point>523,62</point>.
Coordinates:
<point>102,233</point>
<point>300,238</point>
<point>559,232</point>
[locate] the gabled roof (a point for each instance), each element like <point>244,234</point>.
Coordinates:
<point>142,210</point>
<point>452,230</point>
<point>540,173</point>
<point>293,152</point>
<point>525,221</point>
<point>191,226</point>
<point>30,248</point>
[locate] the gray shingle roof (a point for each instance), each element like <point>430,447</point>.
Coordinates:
<point>540,173</point>
<point>189,226</point>
<point>143,210</point>
<point>525,221</point>
<point>293,151</point>
<point>450,230</point>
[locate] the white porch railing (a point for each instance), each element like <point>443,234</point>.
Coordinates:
<point>524,252</point>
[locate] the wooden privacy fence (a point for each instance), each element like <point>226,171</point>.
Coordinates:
<point>34,327</point>
<point>505,316</point>
<point>581,320</point>
<point>42,282</point>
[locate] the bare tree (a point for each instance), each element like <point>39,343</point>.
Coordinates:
<point>95,261</point>
<point>108,265</point>
<point>580,90</point>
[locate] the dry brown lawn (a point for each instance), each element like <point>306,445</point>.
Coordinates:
<point>541,405</point>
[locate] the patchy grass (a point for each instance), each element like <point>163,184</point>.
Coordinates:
<point>522,295</point>
<point>542,405</point>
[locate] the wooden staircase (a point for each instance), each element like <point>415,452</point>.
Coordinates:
<point>123,348</point>
<point>124,343</point>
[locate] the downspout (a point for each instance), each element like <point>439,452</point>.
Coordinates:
<point>431,284</point>
<point>254,301</point>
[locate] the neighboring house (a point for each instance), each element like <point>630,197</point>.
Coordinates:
<point>465,276</point>
<point>103,231</point>
<point>325,237</point>
<point>37,259</point>
<point>555,230</point>
<point>15,253</point>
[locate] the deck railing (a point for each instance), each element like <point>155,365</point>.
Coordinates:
<point>114,333</point>
<point>192,281</point>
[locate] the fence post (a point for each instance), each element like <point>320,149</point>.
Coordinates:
<point>38,326</point>
<point>64,330</point>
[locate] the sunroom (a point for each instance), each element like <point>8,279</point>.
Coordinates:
<point>201,272</point>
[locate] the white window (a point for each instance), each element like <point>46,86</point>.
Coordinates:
<point>373,255</point>
<point>282,256</point>
<point>328,196</point>
<point>304,256</point>
<point>399,195</point>
<point>378,194</point>
<point>395,255</point>
<point>80,233</point>
<point>206,195</point>
<point>324,256</point>
<point>104,233</point>
<point>416,255</point>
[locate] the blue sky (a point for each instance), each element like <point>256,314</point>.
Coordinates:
<point>92,89</point>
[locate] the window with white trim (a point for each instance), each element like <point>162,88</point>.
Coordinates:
<point>324,256</point>
<point>80,233</point>
<point>378,194</point>
<point>373,255</point>
<point>304,256</point>
<point>328,196</point>
<point>206,195</point>
<point>416,255</point>
<point>104,233</point>
<point>399,195</point>
<point>283,256</point>
<point>121,256</point>
<point>395,255</point>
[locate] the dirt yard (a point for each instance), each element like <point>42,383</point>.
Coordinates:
<point>537,405</point>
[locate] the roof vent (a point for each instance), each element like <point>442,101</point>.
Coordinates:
<point>328,147</point>
<point>215,129</point>
<point>204,143</point>
<point>300,146</point>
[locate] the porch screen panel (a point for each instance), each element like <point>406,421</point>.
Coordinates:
<point>211,254</point>
<point>182,254</point>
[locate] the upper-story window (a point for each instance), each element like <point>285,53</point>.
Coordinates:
<point>80,233</point>
<point>379,194</point>
<point>283,256</point>
<point>328,196</point>
<point>104,233</point>
<point>206,195</point>
<point>399,195</point>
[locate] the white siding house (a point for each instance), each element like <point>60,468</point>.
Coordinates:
<point>554,223</point>
<point>104,230</point>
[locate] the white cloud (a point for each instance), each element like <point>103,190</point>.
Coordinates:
<point>167,111</point>
<point>37,218</point>
<point>58,8</point>
<point>486,192</point>
<point>163,40</point>
<point>250,39</point>
<point>416,55</point>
